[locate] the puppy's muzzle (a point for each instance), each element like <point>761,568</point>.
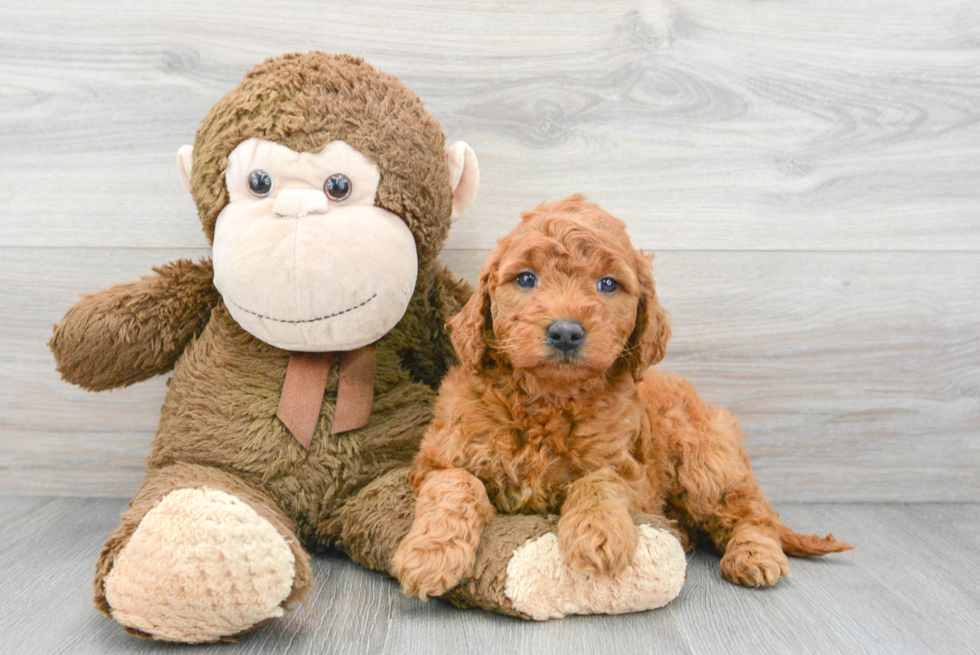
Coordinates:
<point>565,336</point>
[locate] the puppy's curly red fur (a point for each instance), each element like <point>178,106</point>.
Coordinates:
<point>591,432</point>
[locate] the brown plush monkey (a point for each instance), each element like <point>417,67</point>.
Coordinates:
<point>304,360</point>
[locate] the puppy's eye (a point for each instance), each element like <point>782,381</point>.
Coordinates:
<point>607,285</point>
<point>337,187</point>
<point>526,280</point>
<point>259,183</point>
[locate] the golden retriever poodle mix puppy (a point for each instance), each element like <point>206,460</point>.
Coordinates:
<point>554,409</point>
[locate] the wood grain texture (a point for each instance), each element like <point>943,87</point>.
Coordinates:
<point>709,124</point>
<point>856,374</point>
<point>909,587</point>
<point>807,172</point>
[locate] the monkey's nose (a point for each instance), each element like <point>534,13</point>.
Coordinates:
<point>565,335</point>
<point>300,202</point>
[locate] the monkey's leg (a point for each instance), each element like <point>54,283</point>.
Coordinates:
<point>200,556</point>
<point>518,568</point>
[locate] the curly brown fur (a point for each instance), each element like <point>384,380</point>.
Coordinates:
<point>591,434</point>
<point>451,510</point>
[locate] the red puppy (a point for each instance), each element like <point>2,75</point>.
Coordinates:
<point>553,409</point>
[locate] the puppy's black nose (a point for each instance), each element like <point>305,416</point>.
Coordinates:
<point>565,335</point>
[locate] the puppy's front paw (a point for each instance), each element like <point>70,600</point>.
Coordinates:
<point>425,568</point>
<point>595,542</point>
<point>754,562</point>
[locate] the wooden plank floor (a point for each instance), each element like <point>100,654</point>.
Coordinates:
<point>911,586</point>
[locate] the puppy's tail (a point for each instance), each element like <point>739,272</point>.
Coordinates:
<point>809,545</point>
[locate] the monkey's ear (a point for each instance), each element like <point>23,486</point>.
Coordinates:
<point>464,176</point>
<point>185,160</point>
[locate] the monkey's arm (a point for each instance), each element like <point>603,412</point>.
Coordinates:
<point>424,343</point>
<point>131,332</point>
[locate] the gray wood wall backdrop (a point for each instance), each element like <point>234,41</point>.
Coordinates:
<point>808,173</point>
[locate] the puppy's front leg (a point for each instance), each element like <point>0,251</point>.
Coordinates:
<point>440,549</point>
<point>596,533</point>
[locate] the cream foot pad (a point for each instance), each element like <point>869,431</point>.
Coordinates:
<point>541,585</point>
<point>201,565</point>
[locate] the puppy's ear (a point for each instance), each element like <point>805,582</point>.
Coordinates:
<point>647,344</point>
<point>472,327</point>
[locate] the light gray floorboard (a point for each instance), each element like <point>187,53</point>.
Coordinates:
<point>909,587</point>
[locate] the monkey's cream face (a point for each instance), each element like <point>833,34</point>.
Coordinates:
<point>302,257</point>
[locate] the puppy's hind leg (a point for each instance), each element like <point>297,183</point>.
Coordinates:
<point>440,548</point>
<point>722,496</point>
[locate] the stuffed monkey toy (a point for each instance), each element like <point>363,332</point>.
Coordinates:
<point>305,354</point>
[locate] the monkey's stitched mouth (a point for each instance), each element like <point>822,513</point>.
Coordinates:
<point>306,320</point>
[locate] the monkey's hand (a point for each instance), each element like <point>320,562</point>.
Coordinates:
<point>131,332</point>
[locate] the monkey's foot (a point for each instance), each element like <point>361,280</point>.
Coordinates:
<point>200,566</point>
<point>540,584</point>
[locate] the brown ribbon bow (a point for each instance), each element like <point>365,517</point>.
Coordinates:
<point>306,381</point>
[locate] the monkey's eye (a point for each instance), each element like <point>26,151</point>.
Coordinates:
<point>337,187</point>
<point>259,183</point>
<point>526,280</point>
<point>607,285</point>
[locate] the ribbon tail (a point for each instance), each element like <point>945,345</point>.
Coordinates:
<point>355,390</point>
<point>302,394</point>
